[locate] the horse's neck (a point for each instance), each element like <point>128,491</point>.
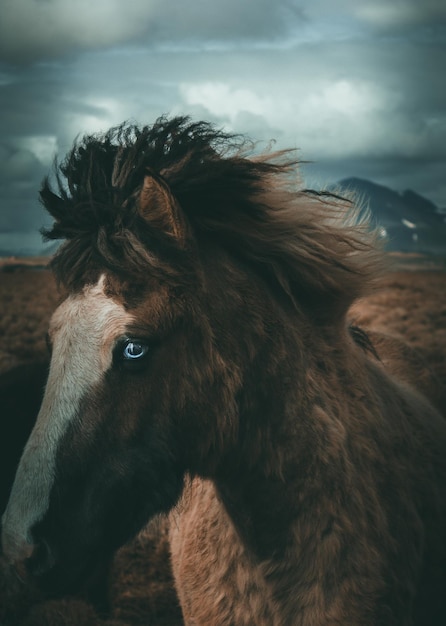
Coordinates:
<point>269,480</point>
<point>252,531</point>
<point>217,579</point>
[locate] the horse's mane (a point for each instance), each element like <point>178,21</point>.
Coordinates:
<point>311,244</point>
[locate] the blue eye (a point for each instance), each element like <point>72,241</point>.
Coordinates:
<point>132,353</point>
<point>134,350</point>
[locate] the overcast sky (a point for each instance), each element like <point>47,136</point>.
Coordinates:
<point>358,86</point>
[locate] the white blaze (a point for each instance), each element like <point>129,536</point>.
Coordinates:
<point>83,331</point>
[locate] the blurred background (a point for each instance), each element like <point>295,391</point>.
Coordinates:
<point>358,87</point>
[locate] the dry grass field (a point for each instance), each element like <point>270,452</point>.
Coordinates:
<point>409,306</point>
<point>27,299</point>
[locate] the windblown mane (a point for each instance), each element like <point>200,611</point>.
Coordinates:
<point>313,245</point>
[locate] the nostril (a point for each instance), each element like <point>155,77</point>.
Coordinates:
<point>41,559</point>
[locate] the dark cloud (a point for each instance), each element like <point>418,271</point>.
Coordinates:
<point>31,30</point>
<point>49,29</point>
<point>398,16</point>
<point>379,15</point>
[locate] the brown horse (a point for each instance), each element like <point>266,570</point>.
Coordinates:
<point>202,364</point>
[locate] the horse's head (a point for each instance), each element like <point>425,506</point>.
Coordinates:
<point>181,267</point>
<point>134,372</point>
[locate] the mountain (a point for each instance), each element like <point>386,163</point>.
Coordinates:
<point>410,222</point>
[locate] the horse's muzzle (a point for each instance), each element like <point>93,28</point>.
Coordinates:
<point>26,558</point>
<point>41,560</point>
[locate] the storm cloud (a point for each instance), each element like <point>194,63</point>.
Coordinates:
<point>357,88</point>
<point>49,29</point>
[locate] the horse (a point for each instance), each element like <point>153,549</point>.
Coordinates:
<point>203,368</point>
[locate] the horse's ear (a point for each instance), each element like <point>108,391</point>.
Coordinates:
<point>158,206</point>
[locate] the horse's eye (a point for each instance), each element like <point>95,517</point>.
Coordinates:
<point>131,353</point>
<point>134,350</point>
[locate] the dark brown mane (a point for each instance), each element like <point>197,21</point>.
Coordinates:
<point>311,244</point>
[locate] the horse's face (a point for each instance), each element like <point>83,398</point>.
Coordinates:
<point>103,455</point>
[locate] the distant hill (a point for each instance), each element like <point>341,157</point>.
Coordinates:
<point>411,222</point>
